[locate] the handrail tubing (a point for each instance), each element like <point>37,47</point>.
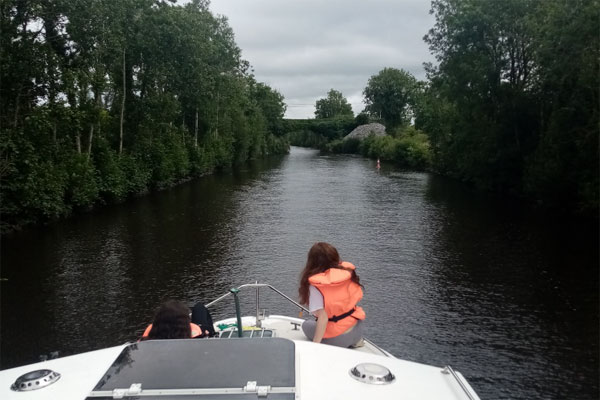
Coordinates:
<point>257,286</point>
<point>382,351</point>
<point>448,369</point>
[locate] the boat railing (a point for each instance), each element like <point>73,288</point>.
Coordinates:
<point>449,371</point>
<point>257,287</point>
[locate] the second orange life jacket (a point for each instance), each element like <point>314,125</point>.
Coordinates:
<point>196,330</point>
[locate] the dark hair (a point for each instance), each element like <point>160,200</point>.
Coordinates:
<point>321,257</point>
<point>171,321</point>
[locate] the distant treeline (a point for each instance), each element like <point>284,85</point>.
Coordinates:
<point>404,145</point>
<point>104,99</point>
<point>511,106</point>
<point>317,133</point>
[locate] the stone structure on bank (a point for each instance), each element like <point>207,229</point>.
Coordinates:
<point>363,131</point>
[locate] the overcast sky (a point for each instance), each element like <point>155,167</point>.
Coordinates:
<point>303,48</point>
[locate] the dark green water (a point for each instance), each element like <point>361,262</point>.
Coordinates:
<point>507,296</point>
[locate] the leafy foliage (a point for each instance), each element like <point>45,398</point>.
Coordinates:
<point>390,96</point>
<point>334,105</point>
<point>409,148</point>
<point>101,100</point>
<point>513,105</point>
<point>362,119</point>
<point>318,132</point>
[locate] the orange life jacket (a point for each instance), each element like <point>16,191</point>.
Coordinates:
<point>196,330</point>
<point>340,298</point>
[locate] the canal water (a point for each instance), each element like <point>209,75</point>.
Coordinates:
<point>507,296</point>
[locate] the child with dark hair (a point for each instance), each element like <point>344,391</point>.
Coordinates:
<point>172,321</point>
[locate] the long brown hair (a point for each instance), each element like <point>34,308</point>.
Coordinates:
<point>171,321</point>
<point>321,257</point>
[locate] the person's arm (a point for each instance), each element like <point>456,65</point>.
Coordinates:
<point>322,320</point>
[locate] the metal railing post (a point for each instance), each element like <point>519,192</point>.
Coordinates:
<point>258,321</point>
<point>238,313</point>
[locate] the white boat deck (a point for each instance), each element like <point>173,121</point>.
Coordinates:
<point>289,328</point>
<point>321,371</point>
<point>79,375</point>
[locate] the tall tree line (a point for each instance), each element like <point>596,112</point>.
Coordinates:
<point>101,99</point>
<point>513,103</point>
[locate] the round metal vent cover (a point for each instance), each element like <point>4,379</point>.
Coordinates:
<point>35,380</point>
<point>374,374</point>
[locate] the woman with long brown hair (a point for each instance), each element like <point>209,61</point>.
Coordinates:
<point>331,289</point>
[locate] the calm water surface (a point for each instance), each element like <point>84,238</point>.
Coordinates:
<point>507,297</point>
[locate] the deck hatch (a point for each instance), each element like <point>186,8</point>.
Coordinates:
<point>201,368</point>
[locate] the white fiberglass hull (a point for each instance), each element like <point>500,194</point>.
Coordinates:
<point>320,371</point>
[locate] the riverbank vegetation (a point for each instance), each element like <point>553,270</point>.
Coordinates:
<point>408,148</point>
<point>511,105</point>
<point>391,98</point>
<point>318,132</point>
<point>103,100</point>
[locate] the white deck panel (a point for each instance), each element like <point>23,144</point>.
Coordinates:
<point>332,380</point>
<point>323,372</point>
<point>283,327</point>
<point>79,375</point>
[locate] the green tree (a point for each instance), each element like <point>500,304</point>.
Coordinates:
<point>270,103</point>
<point>512,105</point>
<point>334,105</point>
<point>389,96</point>
<point>562,170</point>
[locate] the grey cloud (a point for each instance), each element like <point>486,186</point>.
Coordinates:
<point>304,48</point>
<point>356,57</point>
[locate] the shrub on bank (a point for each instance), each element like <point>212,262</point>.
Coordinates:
<point>43,190</point>
<point>277,145</point>
<point>347,146</point>
<point>138,173</point>
<point>82,187</point>
<point>307,138</point>
<point>414,151</point>
<point>112,182</point>
<point>410,148</point>
<point>36,189</point>
<point>383,147</point>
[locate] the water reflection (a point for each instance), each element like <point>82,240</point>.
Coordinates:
<point>516,288</point>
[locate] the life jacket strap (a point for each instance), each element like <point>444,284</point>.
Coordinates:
<point>336,318</point>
